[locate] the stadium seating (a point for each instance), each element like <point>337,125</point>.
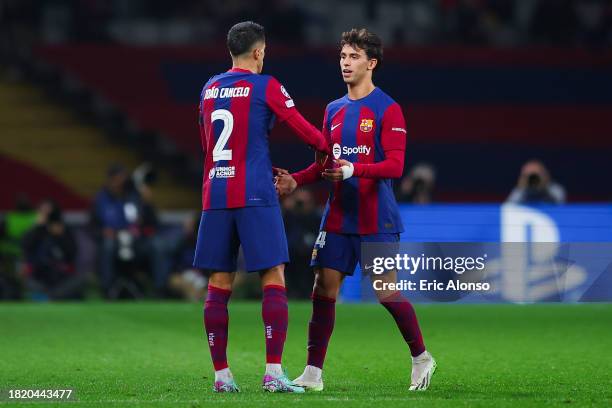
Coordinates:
<point>476,114</point>
<point>46,152</point>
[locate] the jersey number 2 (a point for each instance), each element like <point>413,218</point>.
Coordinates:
<point>219,151</point>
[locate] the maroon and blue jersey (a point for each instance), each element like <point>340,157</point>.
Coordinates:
<point>365,132</point>
<point>237,110</point>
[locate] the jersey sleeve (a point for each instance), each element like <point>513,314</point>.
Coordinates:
<point>309,175</point>
<point>325,126</point>
<point>393,141</point>
<point>312,174</point>
<point>393,134</point>
<point>279,100</point>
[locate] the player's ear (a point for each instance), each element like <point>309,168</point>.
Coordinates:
<point>372,63</point>
<point>258,52</point>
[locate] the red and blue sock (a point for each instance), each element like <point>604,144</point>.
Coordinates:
<point>275,314</point>
<point>320,328</point>
<point>406,320</point>
<point>216,321</point>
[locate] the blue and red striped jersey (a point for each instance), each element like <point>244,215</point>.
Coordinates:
<point>365,132</point>
<point>237,110</point>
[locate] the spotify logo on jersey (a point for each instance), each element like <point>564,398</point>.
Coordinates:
<point>338,150</point>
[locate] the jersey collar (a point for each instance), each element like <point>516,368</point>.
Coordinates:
<point>240,70</point>
<point>363,98</point>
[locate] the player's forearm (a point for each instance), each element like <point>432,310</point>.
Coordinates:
<point>309,175</point>
<point>391,167</point>
<point>308,133</point>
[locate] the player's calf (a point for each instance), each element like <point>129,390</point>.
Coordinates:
<point>216,320</point>
<point>423,364</point>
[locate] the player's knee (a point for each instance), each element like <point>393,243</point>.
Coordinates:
<point>274,276</point>
<point>220,280</point>
<point>385,296</point>
<point>323,286</point>
<point>382,295</point>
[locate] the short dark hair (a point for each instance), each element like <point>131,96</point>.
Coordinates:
<point>115,169</point>
<point>242,36</point>
<point>364,40</point>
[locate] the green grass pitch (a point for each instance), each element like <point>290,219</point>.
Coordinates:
<point>155,354</point>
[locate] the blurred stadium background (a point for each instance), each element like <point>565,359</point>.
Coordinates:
<point>100,158</point>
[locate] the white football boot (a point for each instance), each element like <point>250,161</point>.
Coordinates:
<point>311,379</point>
<point>423,368</point>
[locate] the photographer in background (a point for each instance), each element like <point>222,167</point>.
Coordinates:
<point>302,219</point>
<point>187,281</point>
<point>126,228</point>
<point>50,252</point>
<point>418,186</point>
<point>536,187</point>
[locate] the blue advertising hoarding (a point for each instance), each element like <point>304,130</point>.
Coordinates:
<point>565,255</point>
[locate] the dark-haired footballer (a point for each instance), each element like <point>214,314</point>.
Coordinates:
<point>368,133</point>
<point>239,202</point>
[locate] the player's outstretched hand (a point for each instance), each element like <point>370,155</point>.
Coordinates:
<point>285,184</point>
<point>277,171</point>
<point>342,170</point>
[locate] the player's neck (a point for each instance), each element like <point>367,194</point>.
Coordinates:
<point>360,90</point>
<point>246,65</point>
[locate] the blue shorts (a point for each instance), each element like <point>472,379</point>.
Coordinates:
<point>342,251</point>
<point>260,231</point>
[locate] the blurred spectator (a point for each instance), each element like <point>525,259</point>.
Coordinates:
<point>594,22</point>
<point>478,22</point>
<point>418,186</point>
<point>187,281</point>
<point>16,224</point>
<point>285,22</point>
<point>50,251</point>
<point>536,187</point>
<point>126,227</point>
<point>500,22</point>
<point>19,26</point>
<point>302,219</point>
<point>554,22</point>
<point>91,19</point>
<point>12,229</point>
<point>464,20</point>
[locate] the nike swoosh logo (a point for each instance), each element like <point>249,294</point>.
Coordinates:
<point>335,126</point>
<point>368,266</point>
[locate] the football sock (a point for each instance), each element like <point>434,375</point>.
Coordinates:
<point>406,320</point>
<point>320,329</point>
<point>275,315</point>
<point>216,320</point>
<point>312,373</point>
<point>275,370</point>
<point>421,357</point>
<point>224,375</point>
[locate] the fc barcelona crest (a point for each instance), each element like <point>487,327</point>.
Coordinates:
<point>366,125</point>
